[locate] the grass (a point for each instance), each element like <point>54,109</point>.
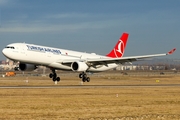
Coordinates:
<point>132,103</point>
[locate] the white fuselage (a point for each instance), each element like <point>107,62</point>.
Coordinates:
<point>51,57</point>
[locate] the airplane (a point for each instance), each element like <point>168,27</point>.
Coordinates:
<point>30,56</point>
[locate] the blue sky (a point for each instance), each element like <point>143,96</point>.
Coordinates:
<point>92,25</point>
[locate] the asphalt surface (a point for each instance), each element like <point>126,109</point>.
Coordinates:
<point>89,86</point>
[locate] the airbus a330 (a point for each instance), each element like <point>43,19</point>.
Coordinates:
<point>30,56</point>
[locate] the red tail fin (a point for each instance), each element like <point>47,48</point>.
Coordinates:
<point>120,46</point>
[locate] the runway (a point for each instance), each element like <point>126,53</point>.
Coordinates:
<point>89,86</point>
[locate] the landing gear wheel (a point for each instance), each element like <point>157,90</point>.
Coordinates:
<point>84,79</point>
<point>84,75</point>
<point>54,79</point>
<point>51,75</point>
<point>88,79</point>
<point>80,75</point>
<point>58,79</point>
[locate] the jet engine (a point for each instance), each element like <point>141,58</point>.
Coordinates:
<point>27,67</point>
<point>79,66</point>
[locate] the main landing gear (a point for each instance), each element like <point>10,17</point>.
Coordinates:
<point>53,75</point>
<point>84,77</point>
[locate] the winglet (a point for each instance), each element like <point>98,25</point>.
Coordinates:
<point>171,51</point>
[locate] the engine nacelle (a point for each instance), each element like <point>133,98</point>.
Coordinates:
<point>27,67</point>
<point>79,66</point>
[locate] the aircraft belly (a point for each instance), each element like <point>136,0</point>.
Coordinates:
<point>102,68</point>
<point>59,66</point>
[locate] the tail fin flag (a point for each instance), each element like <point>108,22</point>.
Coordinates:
<point>120,46</point>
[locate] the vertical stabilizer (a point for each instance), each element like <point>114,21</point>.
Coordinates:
<point>120,46</point>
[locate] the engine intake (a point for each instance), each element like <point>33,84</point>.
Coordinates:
<point>79,66</point>
<point>27,67</point>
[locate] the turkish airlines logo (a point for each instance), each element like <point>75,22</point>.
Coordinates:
<point>119,49</point>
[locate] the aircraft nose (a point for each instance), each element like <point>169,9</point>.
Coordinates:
<point>8,53</point>
<point>4,51</point>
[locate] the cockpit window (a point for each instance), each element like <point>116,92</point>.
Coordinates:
<point>10,47</point>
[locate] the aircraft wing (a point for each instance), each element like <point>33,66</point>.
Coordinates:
<point>121,60</point>
<point>126,59</point>
<point>109,60</point>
